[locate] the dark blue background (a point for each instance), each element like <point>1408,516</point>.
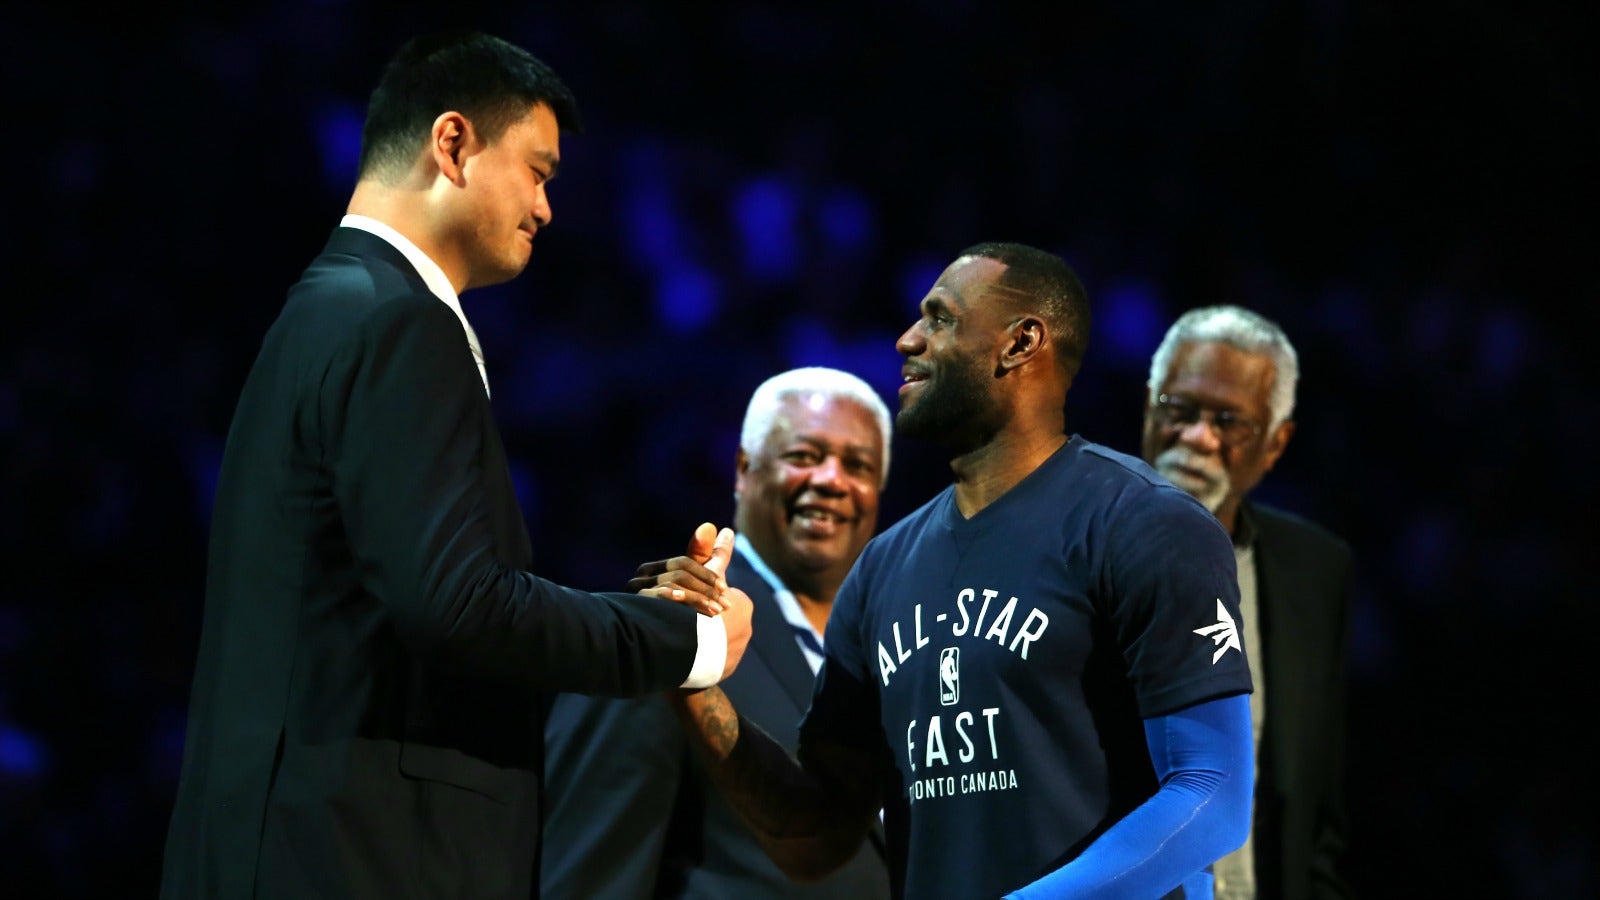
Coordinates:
<point>1404,186</point>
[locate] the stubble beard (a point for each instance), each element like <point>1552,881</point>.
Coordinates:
<point>953,405</point>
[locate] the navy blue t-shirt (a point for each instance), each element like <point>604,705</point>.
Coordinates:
<point>1008,660</point>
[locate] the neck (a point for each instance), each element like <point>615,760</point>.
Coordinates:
<point>813,590</point>
<point>985,474</point>
<point>816,605</point>
<point>405,208</point>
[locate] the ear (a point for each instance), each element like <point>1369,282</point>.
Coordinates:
<point>1277,442</point>
<point>1027,338</point>
<point>741,468</point>
<point>449,143</point>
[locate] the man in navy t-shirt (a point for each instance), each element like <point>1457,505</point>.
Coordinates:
<point>1038,674</point>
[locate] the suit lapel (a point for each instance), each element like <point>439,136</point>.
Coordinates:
<point>1280,638</point>
<point>772,637</point>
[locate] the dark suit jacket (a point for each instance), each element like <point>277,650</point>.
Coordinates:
<point>629,812</point>
<point>1303,585</point>
<point>362,716</point>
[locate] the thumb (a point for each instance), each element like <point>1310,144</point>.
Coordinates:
<point>701,545</point>
<point>721,552</point>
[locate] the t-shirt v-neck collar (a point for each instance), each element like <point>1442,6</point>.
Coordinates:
<point>950,515</point>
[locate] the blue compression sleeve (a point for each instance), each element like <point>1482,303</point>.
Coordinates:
<point>1205,761</point>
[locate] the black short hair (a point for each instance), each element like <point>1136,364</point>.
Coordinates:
<point>1047,286</point>
<point>490,81</point>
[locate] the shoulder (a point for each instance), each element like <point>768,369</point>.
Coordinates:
<point>1128,492</point>
<point>1279,527</point>
<point>1128,477</point>
<point>361,288</point>
<point>1110,463</point>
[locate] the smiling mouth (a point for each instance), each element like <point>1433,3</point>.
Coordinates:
<point>817,521</point>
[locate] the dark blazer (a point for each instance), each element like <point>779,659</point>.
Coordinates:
<point>373,648</point>
<point>629,812</point>
<point>1303,586</point>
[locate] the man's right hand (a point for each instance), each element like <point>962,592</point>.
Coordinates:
<point>737,620</point>
<point>698,579</point>
<point>737,607</point>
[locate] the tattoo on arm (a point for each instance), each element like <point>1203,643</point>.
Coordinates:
<point>810,818</point>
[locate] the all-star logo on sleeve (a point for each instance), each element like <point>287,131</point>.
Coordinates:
<point>1224,634</point>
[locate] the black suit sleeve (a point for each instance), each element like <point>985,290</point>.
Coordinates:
<point>407,426</point>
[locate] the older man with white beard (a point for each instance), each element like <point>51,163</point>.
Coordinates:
<point>1217,418</point>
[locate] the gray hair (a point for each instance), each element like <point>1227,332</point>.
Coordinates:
<point>833,383</point>
<point>1242,330</point>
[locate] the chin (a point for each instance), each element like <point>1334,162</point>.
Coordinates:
<point>814,555</point>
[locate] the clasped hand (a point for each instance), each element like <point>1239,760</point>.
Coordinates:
<point>698,580</point>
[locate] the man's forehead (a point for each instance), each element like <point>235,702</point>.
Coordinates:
<point>968,280</point>
<point>539,131</point>
<point>802,413</point>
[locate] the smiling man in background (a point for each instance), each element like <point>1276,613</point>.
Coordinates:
<point>630,813</point>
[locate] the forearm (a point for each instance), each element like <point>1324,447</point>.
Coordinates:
<point>809,822</point>
<point>1205,761</point>
<point>515,625</point>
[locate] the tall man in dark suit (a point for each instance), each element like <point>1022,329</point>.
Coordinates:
<point>1218,417</point>
<point>629,812</point>
<point>374,649</point>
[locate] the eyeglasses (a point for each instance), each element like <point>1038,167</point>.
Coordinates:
<point>1175,413</point>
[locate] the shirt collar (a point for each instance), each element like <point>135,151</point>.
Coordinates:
<point>783,596</point>
<point>433,276</point>
<point>1244,527</point>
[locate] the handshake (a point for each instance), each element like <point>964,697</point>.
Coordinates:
<point>698,579</point>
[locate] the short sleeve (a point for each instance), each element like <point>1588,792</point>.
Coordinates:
<point>1171,584</point>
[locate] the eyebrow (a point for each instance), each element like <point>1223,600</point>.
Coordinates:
<point>552,160</point>
<point>936,302</point>
<point>848,447</point>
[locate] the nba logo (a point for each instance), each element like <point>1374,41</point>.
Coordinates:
<point>949,676</point>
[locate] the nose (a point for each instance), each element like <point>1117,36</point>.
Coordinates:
<point>542,213</point>
<point>1201,434</point>
<point>828,475</point>
<point>911,342</point>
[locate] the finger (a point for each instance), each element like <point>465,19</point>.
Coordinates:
<point>699,602</point>
<point>703,583</point>
<point>677,587</point>
<point>701,545</point>
<point>681,570</point>
<point>721,553</point>
<point>652,568</point>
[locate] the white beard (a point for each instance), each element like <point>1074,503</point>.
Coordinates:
<point>1201,477</point>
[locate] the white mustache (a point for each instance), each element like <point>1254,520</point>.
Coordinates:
<point>1209,467</point>
<point>1182,466</point>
